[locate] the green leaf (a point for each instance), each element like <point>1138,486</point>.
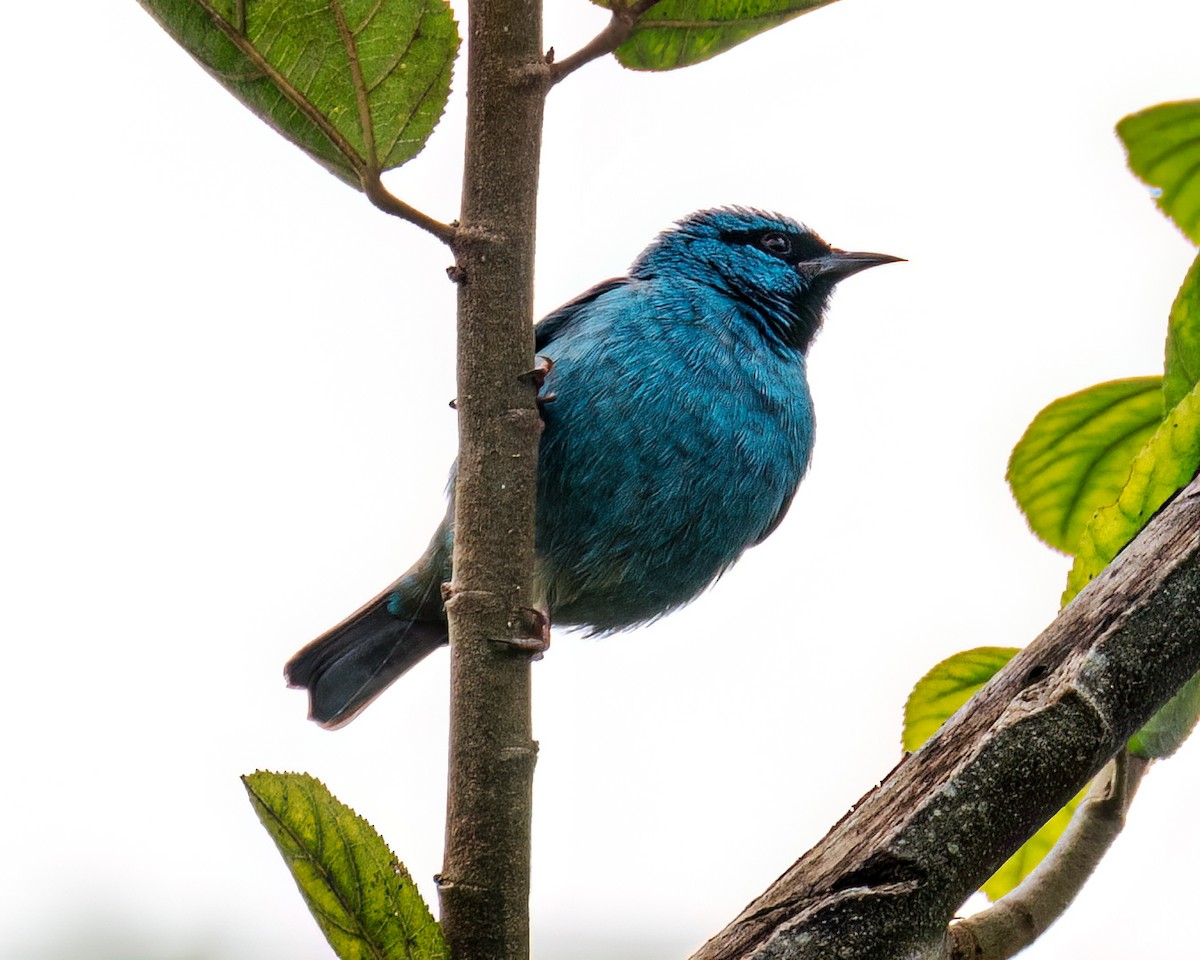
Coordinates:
<point>1166,463</point>
<point>679,33</point>
<point>1163,143</point>
<point>947,687</point>
<point>1074,457</point>
<point>362,896</point>
<point>358,84</point>
<point>1183,339</point>
<point>1167,729</point>
<point>1022,863</point>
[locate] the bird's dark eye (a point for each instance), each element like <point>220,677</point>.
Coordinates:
<point>776,244</point>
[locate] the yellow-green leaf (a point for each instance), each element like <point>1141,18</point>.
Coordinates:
<point>947,687</point>
<point>679,33</point>
<point>1165,464</point>
<point>1165,732</point>
<point>361,895</point>
<point>1074,457</point>
<point>1163,143</point>
<point>1183,340</point>
<point>358,84</point>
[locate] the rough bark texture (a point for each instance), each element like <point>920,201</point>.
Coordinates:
<point>885,882</point>
<point>484,886</point>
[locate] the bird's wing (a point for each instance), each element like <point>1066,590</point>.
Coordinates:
<point>555,322</point>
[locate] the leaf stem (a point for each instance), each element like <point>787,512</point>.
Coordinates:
<point>624,18</point>
<point>379,195</point>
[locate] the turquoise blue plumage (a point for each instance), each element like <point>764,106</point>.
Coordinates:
<point>678,425</point>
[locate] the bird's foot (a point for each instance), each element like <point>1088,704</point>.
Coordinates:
<point>529,631</point>
<point>532,633</point>
<point>537,377</point>
<point>541,367</point>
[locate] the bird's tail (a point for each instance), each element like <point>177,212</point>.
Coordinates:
<point>347,667</point>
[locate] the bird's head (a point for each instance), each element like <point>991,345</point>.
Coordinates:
<point>777,268</point>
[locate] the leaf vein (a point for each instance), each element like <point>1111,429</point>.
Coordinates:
<point>289,92</point>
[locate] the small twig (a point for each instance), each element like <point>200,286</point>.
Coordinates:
<point>624,18</point>
<point>378,194</point>
<point>1016,920</point>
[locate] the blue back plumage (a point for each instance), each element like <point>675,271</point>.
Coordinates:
<point>678,424</point>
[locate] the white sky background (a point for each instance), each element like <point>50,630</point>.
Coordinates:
<point>225,380</point>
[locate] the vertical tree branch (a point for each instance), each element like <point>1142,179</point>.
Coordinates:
<point>484,886</point>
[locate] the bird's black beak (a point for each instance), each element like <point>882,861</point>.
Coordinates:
<point>840,264</point>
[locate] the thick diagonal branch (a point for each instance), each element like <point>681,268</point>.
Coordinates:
<point>886,881</point>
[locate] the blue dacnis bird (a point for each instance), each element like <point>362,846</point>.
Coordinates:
<point>680,427</point>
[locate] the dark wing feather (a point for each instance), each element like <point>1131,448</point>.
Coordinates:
<point>557,320</point>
